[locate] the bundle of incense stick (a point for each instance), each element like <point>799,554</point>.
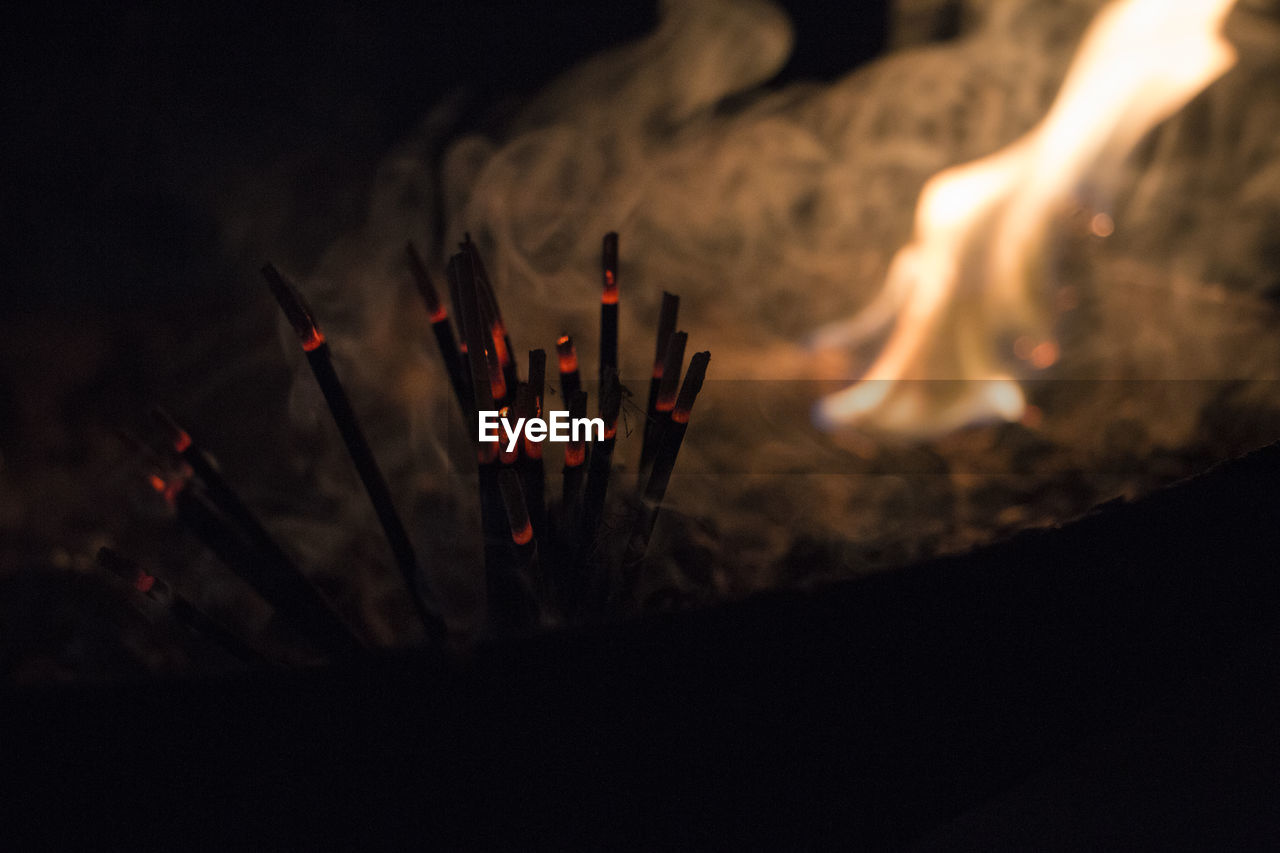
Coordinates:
<point>563,557</point>
<point>216,523</point>
<point>545,562</point>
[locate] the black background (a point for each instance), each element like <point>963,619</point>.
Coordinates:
<point>125,121</point>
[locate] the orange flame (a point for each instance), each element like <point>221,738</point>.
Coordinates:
<point>966,281</point>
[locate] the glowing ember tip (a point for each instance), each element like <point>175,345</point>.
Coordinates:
<point>517,510</point>
<point>609,265</point>
<point>295,308</point>
<point>568,354</point>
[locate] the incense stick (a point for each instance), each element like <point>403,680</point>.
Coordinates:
<point>220,491</point>
<point>666,327</point>
<point>523,538</point>
<point>660,477</point>
<point>194,620</point>
<point>495,325</point>
<point>512,608</point>
<point>570,379</point>
<point>532,471</point>
<point>601,459</point>
<point>609,308</point>
<point>440,325</point>
<point>575,467</point>
<point>289,592</point>
<point>672,363</point>
<point>318,356</point>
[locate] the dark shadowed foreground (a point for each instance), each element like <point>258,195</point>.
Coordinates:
<point>1107,683</point>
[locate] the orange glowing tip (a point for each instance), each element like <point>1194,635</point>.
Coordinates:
<point>295,308</point>
<point>609,264</point>
<point>568,355</point>
<point>524,535</point>
<point>500,343</point>
<point>181,441</point>
<point>672,361</point>
<point>517,510</point>
<point>575,454</point>
<point>312,339</point>
<point>440,314</point>
<point>168,488</point>
<point>610,431</point>
<point>693,380</point>
<point>144,581</point>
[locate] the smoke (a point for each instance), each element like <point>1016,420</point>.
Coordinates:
<point>773,211</point>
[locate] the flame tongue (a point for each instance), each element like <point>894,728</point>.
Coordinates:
<point>961,290</point>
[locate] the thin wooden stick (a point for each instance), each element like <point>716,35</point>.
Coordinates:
<point>194,620</point>
<point>532,472</point>
<point>221,493</point>
<point>318,356</point>
<point>523,538</point>
<point>440,325</point>
<point>672,363</point>
<point>570,379</point>
<point>575,467</point>
<point>660,477</point>
<point>666,328</point>
<point>512,608</point>
<point>601,459</point>
<point>609,309</point>
<point>290,593</point>
<point>495,324</point>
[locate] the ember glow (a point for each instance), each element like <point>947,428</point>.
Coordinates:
<point>965,299</point>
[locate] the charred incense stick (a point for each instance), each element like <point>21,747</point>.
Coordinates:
<point>182,610</point>
<point>516,411</point>
<point>511,605</point>
<point>664,460</point>
<point>575,466</point>
<point>570,380</point>
<point>532,472</point>
<point>601,459</point>
<point>609,309</point>
<point>660,477</point>
<point>440,325</point>
<point>522,534</point>
<point>672,362</point>
<point>318,356</point>
<point>221,493</point>
<point>496,326</point>
<point>462,282</point>
<point>291,594</point>
<point>666,328</point>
